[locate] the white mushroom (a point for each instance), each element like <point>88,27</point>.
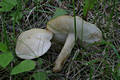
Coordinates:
<point>36,42</point>
<point>33,43</point>
<point>63,28</point>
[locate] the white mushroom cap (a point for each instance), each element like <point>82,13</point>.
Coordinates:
<point>63,25</point>
<point>33,43</point>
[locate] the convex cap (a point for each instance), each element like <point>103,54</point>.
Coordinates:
<point>87,32</point>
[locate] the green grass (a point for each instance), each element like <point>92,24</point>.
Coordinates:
<point>74,14</point>
<point>97,61</point>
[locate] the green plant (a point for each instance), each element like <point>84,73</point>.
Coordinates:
<point>4,32</point>
<point>15,12</point>
<point>6,57</point>
<point>40,76</point>
<point>59,12</point>
<point>7,5</point>
<point>24,66</point>
<point>75,31</point>
<point>89,4</point>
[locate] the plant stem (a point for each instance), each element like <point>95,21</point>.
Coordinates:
<point>74,20</point>
<point>4,31</point>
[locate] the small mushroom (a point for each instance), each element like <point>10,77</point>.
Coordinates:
<point>33,43</point>
<point>63,29</point>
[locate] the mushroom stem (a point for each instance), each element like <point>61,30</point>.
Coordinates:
<point>65,52</point>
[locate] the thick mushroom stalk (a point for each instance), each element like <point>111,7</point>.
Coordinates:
<point>63,28</point>
<point>33,43</point>
<point>64,54</point>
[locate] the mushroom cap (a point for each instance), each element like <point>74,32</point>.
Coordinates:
<point>91,33</point>
<point>33,43</point>
<point>35,32</point>
<point>63,25</point>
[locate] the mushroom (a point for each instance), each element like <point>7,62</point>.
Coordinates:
<point>63,30</point>
<point>33,43</point>
<point>36,42</point>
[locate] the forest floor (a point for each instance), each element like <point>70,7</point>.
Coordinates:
<point>99,61</point>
